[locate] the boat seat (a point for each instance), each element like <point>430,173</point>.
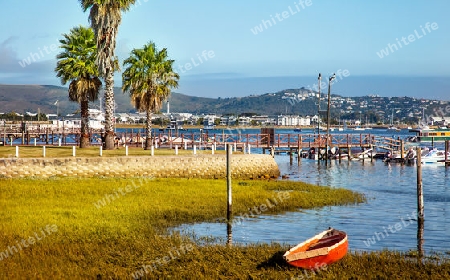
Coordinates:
<point>327,242</point>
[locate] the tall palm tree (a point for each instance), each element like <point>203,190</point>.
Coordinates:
<point>148,77</point>
<point>105,17</point>
<point>76,63</point>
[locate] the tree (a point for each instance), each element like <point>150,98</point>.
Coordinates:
<point>105,17</point>
<point>76,63</point>
<point>148,77</point>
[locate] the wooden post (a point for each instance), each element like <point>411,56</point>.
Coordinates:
<point>371,153</point>
<point>229,197</point>
<point>73,151</point>
<point>43,151</point>
<point>17,151</point>
<point>420,206</point>
<point>401,148</point>
<point>447,143</point>
<point>349,149</point>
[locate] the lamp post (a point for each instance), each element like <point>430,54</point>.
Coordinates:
<point>318,108</point>
<point>328,112</point>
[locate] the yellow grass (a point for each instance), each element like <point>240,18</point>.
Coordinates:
<point>111,227</point>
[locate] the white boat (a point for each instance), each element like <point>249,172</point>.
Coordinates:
<point>436,157</point>
<point>393,128</point>
<point>366,154</point>
<point>359,128</point>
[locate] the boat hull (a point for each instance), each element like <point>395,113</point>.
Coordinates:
<point>319,250</point>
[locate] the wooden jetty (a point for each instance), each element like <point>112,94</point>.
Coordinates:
<point>275,143</point>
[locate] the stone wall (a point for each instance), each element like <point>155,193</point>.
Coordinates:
<point>243,166</point>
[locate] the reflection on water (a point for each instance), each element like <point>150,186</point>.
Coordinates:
<point>387,220</point>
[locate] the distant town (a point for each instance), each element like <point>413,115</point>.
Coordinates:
<point>292,108</point>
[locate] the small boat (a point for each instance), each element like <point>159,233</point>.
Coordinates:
<point>436,157</point>
<point>297,129</point>
<point>325,248</point>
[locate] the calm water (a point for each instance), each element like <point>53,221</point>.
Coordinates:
<point>387,220</point>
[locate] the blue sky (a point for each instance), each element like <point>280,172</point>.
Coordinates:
<point>226,40</point>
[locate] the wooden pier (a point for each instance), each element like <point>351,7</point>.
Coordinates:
<point>275,143</point>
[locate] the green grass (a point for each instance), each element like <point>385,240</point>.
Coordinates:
<point>116,240</point>
<point>66,151</point>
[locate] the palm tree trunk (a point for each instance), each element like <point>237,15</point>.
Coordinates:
<point>148,131</point>
<point>84,133</point>
<point>109,109</point>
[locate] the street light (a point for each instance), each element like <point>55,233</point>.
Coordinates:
<point>56,104</point>
<point>328,112</point>
<point>318,108</point>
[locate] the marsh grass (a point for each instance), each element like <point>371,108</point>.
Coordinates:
<point>93,151</point>
<point>114,240</point>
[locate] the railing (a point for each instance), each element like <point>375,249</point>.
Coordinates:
<point>205,139</point>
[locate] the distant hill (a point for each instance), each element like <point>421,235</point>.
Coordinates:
<point>23,98</point>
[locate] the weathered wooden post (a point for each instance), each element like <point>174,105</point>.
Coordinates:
<point>371,153</point>
<point>229,198</point>
<point>349,150</point>
<point>447,143</point>
<point>401,148</point>
<point>420,206</point>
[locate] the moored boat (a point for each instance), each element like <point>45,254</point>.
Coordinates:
<point>433,135</point>
<point>325,248</point>
<point>435,157</point>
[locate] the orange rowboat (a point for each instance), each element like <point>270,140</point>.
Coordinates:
<point>325,248</point>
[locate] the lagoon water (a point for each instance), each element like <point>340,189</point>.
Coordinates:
<point>388,219</point>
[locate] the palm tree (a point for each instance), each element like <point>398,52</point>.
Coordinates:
<point>149,76</point>
<point>105,17</point>
<point>76,63</point>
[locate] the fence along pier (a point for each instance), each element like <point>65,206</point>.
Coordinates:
<point>267,140</point>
